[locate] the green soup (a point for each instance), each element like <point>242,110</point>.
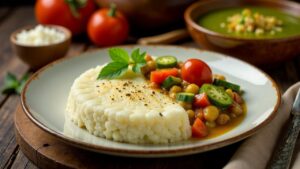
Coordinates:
<point>212,21</point>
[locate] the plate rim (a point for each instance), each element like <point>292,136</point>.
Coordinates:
<point>145,153</point>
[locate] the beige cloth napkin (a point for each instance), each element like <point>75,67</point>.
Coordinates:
<point>256,151</point>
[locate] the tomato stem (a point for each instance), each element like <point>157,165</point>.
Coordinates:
<point>112,10</point>
<point>74,5</point>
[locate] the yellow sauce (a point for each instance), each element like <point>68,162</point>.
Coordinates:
<point>219,130</point>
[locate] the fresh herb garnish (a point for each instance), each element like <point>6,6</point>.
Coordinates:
<point>121,61</point>
<point>12,84</point>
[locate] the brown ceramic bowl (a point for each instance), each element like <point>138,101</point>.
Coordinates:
<point>38,56</point>
<point>256,51</point>
<point>150,16</point>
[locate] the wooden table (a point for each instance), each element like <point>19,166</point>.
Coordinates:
<point>10,155</point>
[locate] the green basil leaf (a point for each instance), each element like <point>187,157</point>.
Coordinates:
<point>113,70</point>
<point>118,55</point>
<point>137,67</point>
<point>10,83</point>
<point>137,57</point>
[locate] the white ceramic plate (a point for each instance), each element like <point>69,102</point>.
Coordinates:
<point>45,95</point>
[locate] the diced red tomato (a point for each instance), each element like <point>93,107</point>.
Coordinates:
<point>199,129</point>
<point>201,100</point>
<point>158,76</point>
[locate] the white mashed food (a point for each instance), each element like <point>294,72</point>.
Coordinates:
<point>126,110</point>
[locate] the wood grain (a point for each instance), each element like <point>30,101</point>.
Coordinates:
<point>48,152</point>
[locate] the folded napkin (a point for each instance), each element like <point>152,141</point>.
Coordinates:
<point>256,151</point>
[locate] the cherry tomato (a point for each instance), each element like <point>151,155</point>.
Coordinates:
<point>196,71</point>
<point>199,129</point>
<point>158,76</point>
<point>108,27</point>
<point>70,14</point>
<point>201,100</point>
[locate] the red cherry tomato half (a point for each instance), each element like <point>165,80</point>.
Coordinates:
<point>196,71</point>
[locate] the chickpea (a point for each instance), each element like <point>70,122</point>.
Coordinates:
<point>175,89</point>
<point>236,109</point>
<point>230,92</point>
<point>145,69</point>
<point>184,83</point>
<point>220,77</point>
<point>192,88</point>
<point>151,65</point>
<point>232,115</point>
<point>211,113</point>
<point>210,124</point>
<point>148,58</point>
<point>185,105</point>
<point>172,95</point>
<point>238,98</point>
<point>223,119</point>
<point>191,113</point>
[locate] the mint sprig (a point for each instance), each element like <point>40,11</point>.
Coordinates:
<point>12,84</point>
<point>121,61</point>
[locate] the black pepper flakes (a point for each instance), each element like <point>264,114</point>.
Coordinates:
<point>161,114</point>
<point>128,94</point>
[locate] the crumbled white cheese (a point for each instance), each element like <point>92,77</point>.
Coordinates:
<point>40,35</point>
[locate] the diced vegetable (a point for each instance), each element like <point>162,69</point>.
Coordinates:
<point>211,113</point>
<point>151,65</point>
<point>223,119</point>
<point>158,76</point>
<point>191,114</point>
<point>201,100</point>
<point>237,98</point>
<point>227,85</point>
<point>176,89</point>
<point>166,62</point>
<point>192,88</point>
<point>185,105</point>
<point>199,129</point>
<point>236,109</point>
<point>216,95</point>
<point>199,114</point>
<point>148,58</point>
<point>171,81</point>
<point>185,97</point>
<point>229,92</point>
<point>172,95</point>
<point>218,76</point>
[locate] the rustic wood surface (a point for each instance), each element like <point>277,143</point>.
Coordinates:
<point>12,18</point>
